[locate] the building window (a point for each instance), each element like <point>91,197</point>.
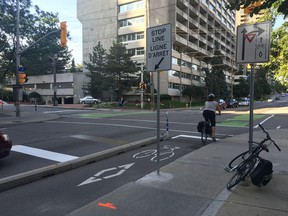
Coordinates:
<point>131,37</point>
<point>136,52</point>
<point>131,6</point>
<point>132,21</point>
<point>140,51</point>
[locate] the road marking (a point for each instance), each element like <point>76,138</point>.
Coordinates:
<point>192,137</point>
<point>129,126</point>
<point>96,177</point>
<point>264,121</point>
<point>43,153</point>
<point>107,205</point>
<point>99,139</point>
<point>60,111</point>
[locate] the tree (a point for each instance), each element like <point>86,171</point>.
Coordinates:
<point>242,89</point>
<point>38,58</point>
<point>215,77</point>
<point>121,70</point>
<point>279,5</point>
<point>97,72</point>
<point>262,87</point>
<point>278,64</point>
<point>194,92</point>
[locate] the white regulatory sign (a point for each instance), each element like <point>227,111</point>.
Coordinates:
<point>253,43</point>
<point>158,48</point>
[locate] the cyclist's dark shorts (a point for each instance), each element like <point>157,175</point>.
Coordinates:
<point>210,115</point>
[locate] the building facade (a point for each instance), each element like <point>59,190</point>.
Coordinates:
<point>243,15</point>
<point>199,27</point>
<point>66,86</point>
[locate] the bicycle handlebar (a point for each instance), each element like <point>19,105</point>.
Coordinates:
<point>269,138</point>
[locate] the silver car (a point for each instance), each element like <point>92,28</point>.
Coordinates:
<point>89,100</point>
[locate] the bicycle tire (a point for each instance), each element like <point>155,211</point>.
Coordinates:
<point>238,159</point>
<point>204,135</point>
<point>241,173</point>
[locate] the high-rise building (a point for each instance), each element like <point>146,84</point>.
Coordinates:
<point>243,15</point>
<point>199,27</point>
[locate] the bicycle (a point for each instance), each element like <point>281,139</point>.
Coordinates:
<point>248,161</point>
<point>205,131</point>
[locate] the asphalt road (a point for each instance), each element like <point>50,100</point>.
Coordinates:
<point>80,132</point>
<point>63,193</point>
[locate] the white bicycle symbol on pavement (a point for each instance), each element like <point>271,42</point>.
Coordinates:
<point>166,152</point>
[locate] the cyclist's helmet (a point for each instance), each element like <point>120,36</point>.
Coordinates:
<point>211,96</point>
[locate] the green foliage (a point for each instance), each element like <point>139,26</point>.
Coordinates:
<point>194,92</point>
<point>215,77</point>
<point>279,5</point>
<point>120,68</point>
<point>36,58</point>
<point>97,72</point>
<point>278,64</point>
<point>113,70</point>
<point>35,95</point>
<point>165,97</point>
<point>242,89</point>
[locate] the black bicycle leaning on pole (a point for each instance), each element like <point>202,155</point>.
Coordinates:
<point>251,164</point>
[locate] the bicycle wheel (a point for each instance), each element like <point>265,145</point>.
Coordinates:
<point>204,135</point>
<point>242,171</point>
<point>238,159</point>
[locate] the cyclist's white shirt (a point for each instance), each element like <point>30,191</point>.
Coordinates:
<point>211,105</point>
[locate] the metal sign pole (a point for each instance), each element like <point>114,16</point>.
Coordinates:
<point>251,107</point>
<point>158,122</point>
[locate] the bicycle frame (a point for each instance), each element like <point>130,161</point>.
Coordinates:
<point>245,167</point>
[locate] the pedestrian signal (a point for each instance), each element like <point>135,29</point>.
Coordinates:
<point>22,78</point>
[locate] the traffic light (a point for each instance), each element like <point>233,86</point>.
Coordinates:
<point>22,78</point>
<point>142,85</point>
<point>63,34</point>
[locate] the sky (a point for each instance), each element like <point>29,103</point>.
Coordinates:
<point>67,11</point>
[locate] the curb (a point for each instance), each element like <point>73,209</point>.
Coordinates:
<point>37,174</point>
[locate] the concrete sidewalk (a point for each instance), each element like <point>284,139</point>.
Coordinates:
<point>196,185</point>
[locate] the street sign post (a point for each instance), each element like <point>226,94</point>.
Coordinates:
<point>252,46</point>
<point>158,58</point>
<point>158,48</point>
<point>253,43</point>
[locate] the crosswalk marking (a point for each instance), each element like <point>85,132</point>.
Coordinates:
<point>43,153</point>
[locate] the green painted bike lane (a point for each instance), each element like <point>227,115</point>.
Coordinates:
<point>107,115</point>
<point>239,120</point>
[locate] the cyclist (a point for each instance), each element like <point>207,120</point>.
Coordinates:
<point>209,113</point>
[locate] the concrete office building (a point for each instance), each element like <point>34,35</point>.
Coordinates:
<point>199,27</point>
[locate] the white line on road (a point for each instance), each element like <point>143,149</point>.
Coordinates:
<point>129,126</point>
<point>43,153</point>
<point>264,121</point>
<point>60,111</point>
<point>188,136</point>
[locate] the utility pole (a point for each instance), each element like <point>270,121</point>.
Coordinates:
<point>17,103</point>
<point>55,85</point>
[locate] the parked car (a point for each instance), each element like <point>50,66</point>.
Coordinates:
<point>244,102</point>
<point>5,144</point>
<point>2,102</point>
<point>232,103</point>
<point>89,100</point>
<point>222,104</point>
